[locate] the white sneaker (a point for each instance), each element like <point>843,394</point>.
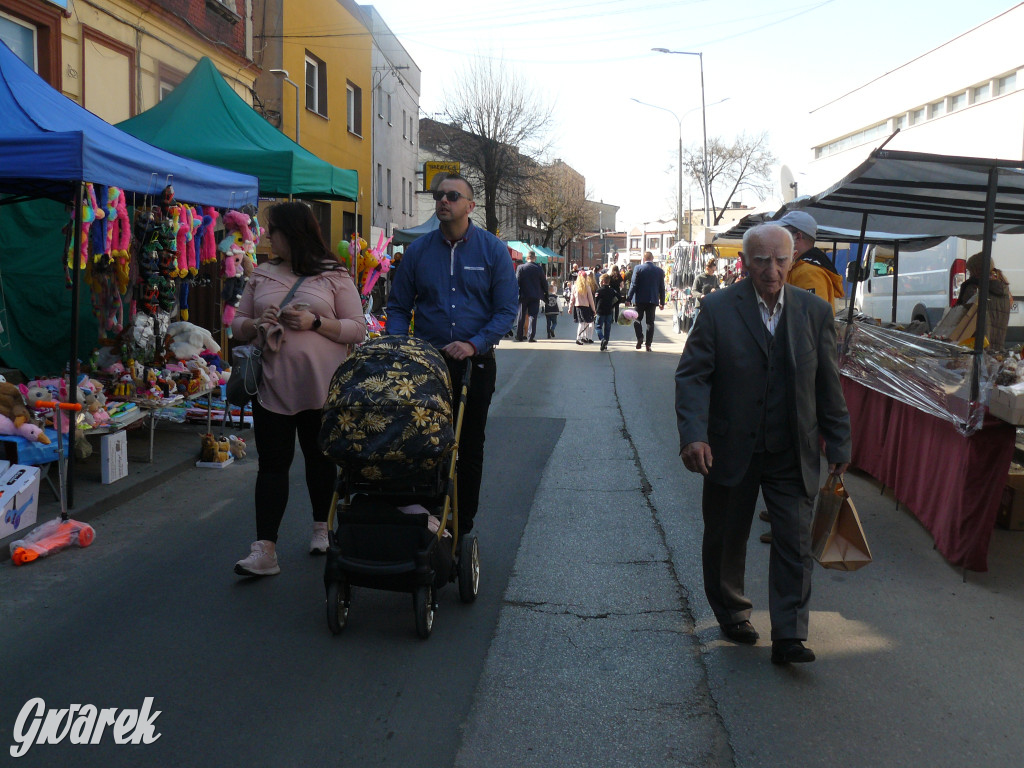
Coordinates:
<point>318,544</point>
<point>260,562</point>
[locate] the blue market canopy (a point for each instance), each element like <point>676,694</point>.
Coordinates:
<point>48,144</point>
<point>203,118</point>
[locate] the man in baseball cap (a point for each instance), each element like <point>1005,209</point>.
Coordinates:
<point>811,270</point>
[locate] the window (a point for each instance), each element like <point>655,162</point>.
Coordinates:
<point>900,122</point>
<point>354,99</point>
<point>389,188</point>
<point>957,101</point>
<point>403,194</point>
<point>1006,84</point>
<point>411,211</point>
<point>652,243</point>
<point>168,78</point>
<point>917,116</point>
<point>936,109</point>
<point>389,109</point>
<point>981,93</point>
<point>20,38</point>
<point>316,85</point>
<point>405,126</point>
<point>411,140</point>
<point>380,184</point>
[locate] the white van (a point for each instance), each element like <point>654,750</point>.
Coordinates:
<point>930,280</point>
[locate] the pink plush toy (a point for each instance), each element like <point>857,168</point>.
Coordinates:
<point>120,239</point>
<point>28,430</point>
<point>184,230</point>
<point>207,241</point>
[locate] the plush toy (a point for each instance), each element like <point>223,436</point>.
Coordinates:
<point>344,257</point>
<point>120,240</point>
<point>12,404</point>
<point>188,340</point>
<point>213,450</point>
<point>207,240</point>
<point>28,430</point>
<point>237,446</point>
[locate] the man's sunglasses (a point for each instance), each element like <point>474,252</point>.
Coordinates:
<point>451,195</point>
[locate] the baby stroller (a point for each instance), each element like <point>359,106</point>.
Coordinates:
<point>394,524</point>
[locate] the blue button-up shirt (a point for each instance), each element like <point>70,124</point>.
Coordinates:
<point>461,291</point>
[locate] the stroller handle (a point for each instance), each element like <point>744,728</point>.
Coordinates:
<point>62,406</point>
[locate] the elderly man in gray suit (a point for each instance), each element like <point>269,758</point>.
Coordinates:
<point>757,387</point>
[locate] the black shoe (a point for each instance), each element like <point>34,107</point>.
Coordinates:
<point>588,341</point>
<point>604,345</point>
<point>766,537</point>
<point>648,347</point>
<point>639,344</point>
<point>533,341</point>
<point>579,342</point>
<point>740,632</point>
<point>790,652</point>
<point>763,514</point>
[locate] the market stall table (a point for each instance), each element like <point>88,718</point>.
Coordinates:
<point>953,484</point>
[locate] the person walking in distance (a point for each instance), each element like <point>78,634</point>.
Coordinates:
<point>757,386</point>
<point>646,291</point>
<point>304,341</point>
<point>605,300</point>
<point>460,282</point>
<point>811,270</point>
<point>551,308</point>
<point>533,288</point>
<point>583,308</point>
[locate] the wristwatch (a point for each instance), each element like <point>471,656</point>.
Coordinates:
<point>316,322</point>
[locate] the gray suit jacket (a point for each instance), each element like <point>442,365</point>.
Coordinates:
<point>722,378</point>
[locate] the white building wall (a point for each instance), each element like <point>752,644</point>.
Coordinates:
<point>990,127</point>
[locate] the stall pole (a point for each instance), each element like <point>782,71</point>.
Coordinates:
<point>853,285</point>
<point>73,362</point>
<point>986,267</point>
<point>895,277</point>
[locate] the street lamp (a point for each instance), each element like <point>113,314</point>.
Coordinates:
<point>707,190</point>
<point>283,74</point>
<point>679,188</point>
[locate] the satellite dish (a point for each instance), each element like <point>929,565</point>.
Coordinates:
<point>787,184</point>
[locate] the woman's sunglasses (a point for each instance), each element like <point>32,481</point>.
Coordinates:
<point>451,195</point>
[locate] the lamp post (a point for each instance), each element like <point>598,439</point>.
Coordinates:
<point>707,190</point>
<point>283,74</point>
<point>679,187</point>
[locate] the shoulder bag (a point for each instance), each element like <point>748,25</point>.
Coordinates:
<point>247,365</point>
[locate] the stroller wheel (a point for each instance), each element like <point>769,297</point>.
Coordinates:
<point>423,604</point>
<point>339,596</point>
<point>469,568</point>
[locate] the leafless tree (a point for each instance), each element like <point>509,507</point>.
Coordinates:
<point>744,165</point>
<point>504,131</point>
<point>558,201</point>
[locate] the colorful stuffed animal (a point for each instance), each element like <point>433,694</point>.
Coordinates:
<point>28,430</point>
<point>12,404</point>
<point>237,446</point>
<point>188,340</point>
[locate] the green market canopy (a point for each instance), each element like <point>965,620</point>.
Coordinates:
<point>204,119</point>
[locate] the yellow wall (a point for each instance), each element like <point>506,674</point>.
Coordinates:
<point>346,57</point>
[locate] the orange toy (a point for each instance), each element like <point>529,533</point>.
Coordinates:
<point>54,535</point>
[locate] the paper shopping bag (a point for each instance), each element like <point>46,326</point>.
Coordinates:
<point>837,537</point>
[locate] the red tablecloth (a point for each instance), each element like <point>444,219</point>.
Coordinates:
<point>952,484</point>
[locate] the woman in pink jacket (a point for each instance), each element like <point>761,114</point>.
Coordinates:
<point>303,344</point>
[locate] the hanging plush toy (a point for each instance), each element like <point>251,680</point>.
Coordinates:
<point>120,239</point>
<point>207,240</point>
<point>234,248</point>
<point>98,232</point>
<point>344,256</point>
<point>382,265</point>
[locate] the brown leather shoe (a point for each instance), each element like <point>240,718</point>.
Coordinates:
<point>766,537</point>
<point>740,632</point>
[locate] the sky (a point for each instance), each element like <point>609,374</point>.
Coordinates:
<point>767,64</point>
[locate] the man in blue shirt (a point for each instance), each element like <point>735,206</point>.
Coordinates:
<point>460,282</point>
<point>646,291</point>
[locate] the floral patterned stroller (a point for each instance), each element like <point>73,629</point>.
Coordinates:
<point>389,425</point>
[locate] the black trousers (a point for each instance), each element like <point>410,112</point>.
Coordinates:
<point>527,314</point>
<point>275,443</point>
<point>644,311</point>
<point>728,513</point>
<point>474,424</point>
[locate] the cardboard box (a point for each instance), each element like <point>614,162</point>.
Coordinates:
<point>19,499</point>
<point>113,457</point>
<point>1011,507</point>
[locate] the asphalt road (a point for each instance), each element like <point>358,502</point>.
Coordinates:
<point>591,643</point>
